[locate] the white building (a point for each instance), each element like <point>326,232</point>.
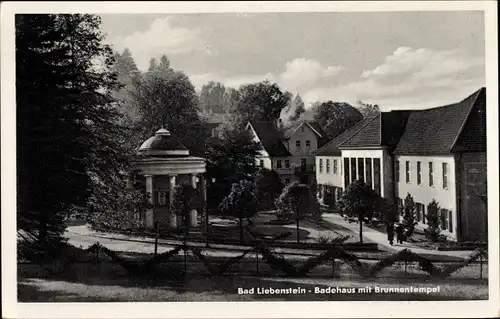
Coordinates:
<point>433,154</point>
<point>288,150</point>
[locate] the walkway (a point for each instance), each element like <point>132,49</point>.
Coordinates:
<point>381,238</point>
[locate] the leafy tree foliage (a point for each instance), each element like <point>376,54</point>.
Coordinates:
<point>216,98</point>
<point>409,215</point>
<point>359,201</point>
<point>336,117</point>
<point>433,230</point>
<point>127,74</point>
<point>241,203</point>
<point>297,202</point>
<point>67,130</point>
<point>167,98</point>
<point>229,160</point>
<point>299,108</point>
<point>368,110</point>
<point>269,187</point>
<point>261,101</point>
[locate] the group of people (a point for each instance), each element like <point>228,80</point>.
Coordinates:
<point>397,228</point>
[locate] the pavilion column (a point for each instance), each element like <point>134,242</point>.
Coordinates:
<point>193,214</point>
<point>171,194</point>
<point>149,212</point>
<point>204,212</point>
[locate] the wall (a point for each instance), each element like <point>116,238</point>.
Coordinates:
<point>386,188</point>
<point>472,206</point>
<point>324,178</point>
<point>302,136</point>
<point>424,193</point>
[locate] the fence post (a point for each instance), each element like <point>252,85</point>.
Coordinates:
<point>481,266</point>
<point>333,267</point>
<point>406,265</point>
<point>257,257</point>
<point>157,224</point>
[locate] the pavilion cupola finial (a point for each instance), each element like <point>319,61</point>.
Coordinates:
<point>163,132</point>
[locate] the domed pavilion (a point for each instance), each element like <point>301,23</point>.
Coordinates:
<point>165,162</point>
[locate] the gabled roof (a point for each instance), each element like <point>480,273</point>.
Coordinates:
<point>270,137</point>
<point>436,131</point>
<point>313,125</point>
<point>385,129</point>
<point>330,148</point>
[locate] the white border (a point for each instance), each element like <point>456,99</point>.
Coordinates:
<point>449,309</point>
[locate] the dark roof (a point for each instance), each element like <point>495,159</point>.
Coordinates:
<point>161,144</point>
<point>271,138</point>
<point>436,131</point>
<point>385,129</point>
<point>322,136</point>
<point>331,147</point>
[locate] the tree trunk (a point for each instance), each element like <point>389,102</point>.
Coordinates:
<point>298,233</point>
<point>360,218</point>
<point>241,230</point>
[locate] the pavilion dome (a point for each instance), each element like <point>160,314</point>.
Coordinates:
<point>163,144</point>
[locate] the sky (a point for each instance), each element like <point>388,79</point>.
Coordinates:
<point>398,60</point>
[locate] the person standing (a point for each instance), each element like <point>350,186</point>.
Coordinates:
<point>390,232</point>
<point>399,234</point>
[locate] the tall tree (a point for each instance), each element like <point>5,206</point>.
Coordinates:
<point>212,97</point>
<point>261,101</point>
<point>268,186</point>
<point>359,201</point>
<point>229,160</point>
<point>297,202</point>
<point>368,110</point>
<point>336,117</point>
<point>241,203</point>
<point>299,108</point>
<point>167,98</point>
<point>66,118</point>
<point>128,74</point>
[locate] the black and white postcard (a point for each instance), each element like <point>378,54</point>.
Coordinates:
<point>249,159</point>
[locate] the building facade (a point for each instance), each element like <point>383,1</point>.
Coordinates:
<point>288,149</point>
<point>433,154</point>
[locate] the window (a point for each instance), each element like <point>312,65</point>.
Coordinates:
<point>450,221</point>
<point>445,175</point>
<point>353,170</point>
<point>261,163</point>
<point>376,175</point>
<point>419,174</point>
<point>335,168</point>
<point>397,171</point>
<point>161,198</point>
<point>444,218</point>
<point>420,208</point>
<point>346,172</point>
<point>287,163</point>
<point>369,172</point>
<point>302,129</point>
<point>407,172</point>
<point>278,164</point>
<point>308,143</point>
<point>327,165</point>
<point>361,169</point>
<point>431,174</point>
<point>320,165</point>
<point>287,181</point>
<point>297,144</point>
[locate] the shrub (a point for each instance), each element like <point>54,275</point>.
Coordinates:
<point>433,230</point>
<point>409,216</point>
